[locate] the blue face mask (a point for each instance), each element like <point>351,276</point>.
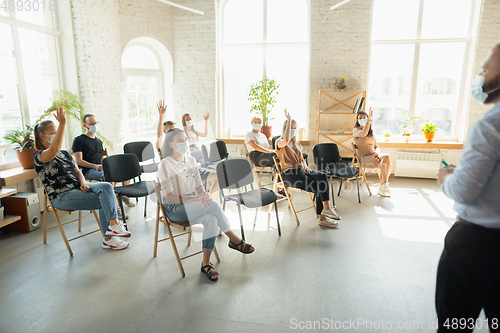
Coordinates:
<point>52,138</point>
<point>182,147</point>
<point>293,132</point>
<point>93,129</point>
<point>362,121</point>
<point>477,89</point>
<point>189,123</point>
<point>256,126</point>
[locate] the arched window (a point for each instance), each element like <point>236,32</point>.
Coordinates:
<point>257,38</point>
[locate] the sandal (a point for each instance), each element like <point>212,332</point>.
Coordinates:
<point>242,246</point>
<point>209,271</point>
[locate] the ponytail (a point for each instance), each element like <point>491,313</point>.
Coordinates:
<point>41,128</point>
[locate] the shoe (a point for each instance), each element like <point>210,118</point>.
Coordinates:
<point>120,216</point>
<point>126,201</point>
<point>331,213</point>
<point>117,230</point>
<point>328,223</point>
<point>384,190</point>
<point>210,272</point>
<point>114,243</point>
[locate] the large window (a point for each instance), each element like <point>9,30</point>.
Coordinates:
<point>418,57</point>
<point>142,75</point>
<point>29,69</point>
<point>264,37</point>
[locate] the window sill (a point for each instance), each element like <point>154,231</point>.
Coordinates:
<point>421,144</point>
<point>241,140</point>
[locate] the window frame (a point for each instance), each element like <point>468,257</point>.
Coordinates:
<point>468,57</point>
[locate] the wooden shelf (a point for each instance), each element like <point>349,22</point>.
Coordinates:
<point>8,219</point>
<point>5,192</point>
<point>17,175</point>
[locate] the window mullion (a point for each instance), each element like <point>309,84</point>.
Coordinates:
<point>264,38</point>
<point>23,97</point>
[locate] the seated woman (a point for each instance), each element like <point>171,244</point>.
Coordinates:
<point>257,145</point>
<point>66,185</point>
<point>297,174</point>
<point>368,151</point>
<point>193,135</point>
<point>185,199</point>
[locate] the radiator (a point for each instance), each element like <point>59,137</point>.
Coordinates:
<point>417,165</point>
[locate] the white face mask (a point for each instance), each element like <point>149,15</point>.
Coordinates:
<point>293,132</point>
<point>52,138</point>
<point>182,147</point>
<point>477,88</point>
<point>256,126</point>
<point>93,129</point>
<point>189,123</point>
<point>362,121</point>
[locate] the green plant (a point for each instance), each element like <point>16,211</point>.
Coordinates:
<point>23,138</point>
<point>387,134</point>
<point>428,127</point>
<point>263,95</point>
<point>408,123</point>
<point>342,79</point>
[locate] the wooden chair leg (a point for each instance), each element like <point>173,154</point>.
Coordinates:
<point>174,247</point>
<point>63,234</point>
<point>157,227</point>
<point>216,254</point>
<point>45,212</point>
<point>260,176</point>
<point>190,235</point>
<point>79,221</point>
<point>290,205</point>
<point>291,197</point>
<point>312,202</point>
<point>98,221</point>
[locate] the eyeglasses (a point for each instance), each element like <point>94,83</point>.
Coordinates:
<point>93,124</point>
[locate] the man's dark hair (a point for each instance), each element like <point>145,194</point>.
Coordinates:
<point>84,118</point>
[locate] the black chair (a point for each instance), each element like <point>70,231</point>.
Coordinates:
<point>327,160</point>
<point>145,151</point>
<point>218,152</point>
<point>273,145</point>
<point>122,167</point>
<point>237,173</point>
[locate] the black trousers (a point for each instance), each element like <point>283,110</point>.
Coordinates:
<point>468,278</point>
<point>315,182</point>
<point>262,159</point>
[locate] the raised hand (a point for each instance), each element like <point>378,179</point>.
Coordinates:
<point>206,116</point>
<point>287,115</point>
<point>371,113</point>
<point>162,107</point>
<point>60,115</point>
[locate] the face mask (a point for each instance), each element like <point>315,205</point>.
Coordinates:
<point>93,129</point>
<point>256,126</point>
<point>293,132</point>
<point>52,138</point>
<point>182,147</point>
<point>477,89</point>
<point>362,121</point>
<point>189,123</point>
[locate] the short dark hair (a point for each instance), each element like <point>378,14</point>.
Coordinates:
<point>84,118</point>
<point>168,122</point>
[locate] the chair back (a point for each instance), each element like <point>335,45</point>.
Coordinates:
<point>273,141</point>
<point>234,173</point>
<point>355,157</point>
<point>144,150</point>
<point>121,167</point>
<point>217,152</point>
<point>326,156</point>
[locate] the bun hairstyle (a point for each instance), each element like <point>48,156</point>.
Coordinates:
<point>166,150</point>
<point>370,132</point>
<point>41,128</point>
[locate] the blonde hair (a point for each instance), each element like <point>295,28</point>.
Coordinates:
<point>294,140</point>
<point>41,128</point>
<point>184,122</point>
<point>255,118</point>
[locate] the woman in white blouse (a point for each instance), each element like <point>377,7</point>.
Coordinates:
<point>259,151</point>
<point>193,135</point>
<point>368,150</point>
<point>185,198</point>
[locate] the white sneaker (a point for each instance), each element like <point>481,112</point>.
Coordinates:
<point>126,201</point>
<point>114,243</point>
<point>328,223</point>
<point>331,213</point>
<point>384,190</point>
<point>117,230</point>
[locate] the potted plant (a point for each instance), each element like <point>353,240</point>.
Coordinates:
<point>407,126</point>
<point>428,128</point>
<point>340,83</point>
<point>263,95</point>
<point>387,135</point>
<point>22,140</point>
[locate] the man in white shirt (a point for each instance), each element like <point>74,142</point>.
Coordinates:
<point>468,277</point>
<point>258,147</point>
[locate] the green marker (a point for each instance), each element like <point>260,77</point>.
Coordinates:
<point>444,163</point>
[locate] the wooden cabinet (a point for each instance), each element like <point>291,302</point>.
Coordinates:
<point>336,118</point>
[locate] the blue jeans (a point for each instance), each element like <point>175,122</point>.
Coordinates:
<point>93,174</point>
<point>211,217</point>
<point>101,196</point>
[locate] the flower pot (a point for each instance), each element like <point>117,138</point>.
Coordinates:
<point>429,136</point>
<point>26,158</point>
<point>386,138</point>
<point>266,130</point>
<point>407,138</point>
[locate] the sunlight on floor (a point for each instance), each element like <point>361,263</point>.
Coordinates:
<point>430,231</point>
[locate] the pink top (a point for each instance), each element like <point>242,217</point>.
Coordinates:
<point>366,144</point>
